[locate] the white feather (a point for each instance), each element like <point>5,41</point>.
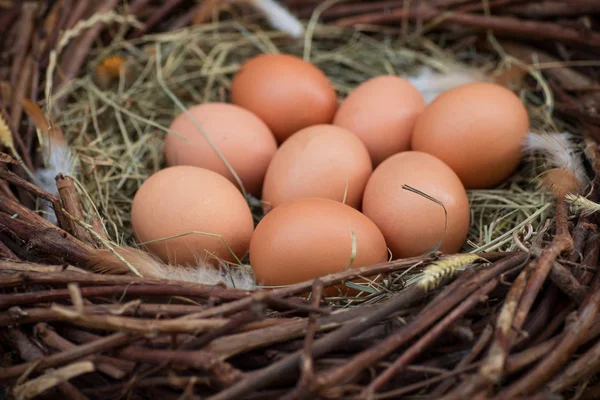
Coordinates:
<point>239,276</point>
<point>560,149</point>
<point>431,83</point>
<point>279,17</point>
<point>60,160</point>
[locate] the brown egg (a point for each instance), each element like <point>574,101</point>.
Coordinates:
<point>320,161</point>
<point>286,92</point>
<point>244,140</point>
<point>477,129</point>
<point>411,223</point>
<point>382,112</point>
<point>312,237</point>
<point>182,199</point>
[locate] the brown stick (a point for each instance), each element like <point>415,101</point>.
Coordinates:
<point>174,289</point>
<point>570,342</point>
<point>502,26</point>
<point>72,204</point>
<point>55,360</point>
<point>56,342</point>
<point>445,303</point>
<point>48,241</point>
<point>550,9</point>
<point>307,376</point>
<point>76,52</point>
<point>412,352</point>
<point>289,365</point>
<point>224,372</point>
<point>564,279</point>
<point>562,242</point>
<point>481,343</point>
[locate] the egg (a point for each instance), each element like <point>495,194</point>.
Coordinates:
<point>320,161</point>
<point>312,237</point>
<point>244,140</point>
<point>185,199</point>
<point>478,129</point>
<point>411,223</point>
<point>285,91</point>
<point>382,112</point>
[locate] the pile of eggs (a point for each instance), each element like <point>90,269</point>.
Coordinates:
<point>333,179</point>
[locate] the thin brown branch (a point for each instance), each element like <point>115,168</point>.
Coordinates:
<point>500,25</point>
<point>553,8</point>
<point>571,340</point>
<point>108,366</point>
<point>307,368</point>
<point>289,365</point>
<point>564,279</point>
<point>412,352</point>
<point>72,204</point>
<point>107,343</point>
<point>224,372</point>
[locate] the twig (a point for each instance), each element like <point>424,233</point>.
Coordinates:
<point>412,352</point>
<point>231,345</point>
<point>157,16</point>
<point>307,376</point>
<point>571,340</point>
<point>562,242</point>
<point>553,8</point>
<point>152,289</point>
<point>77,51</point>
<point>16,180</point>
<point>481,343</point>
<point>72,204</point>
<point>109,342</point>
<point>51,242</point>
<point>202,360</point>
<point>502,26</point>
<point>289,365</point>
<point>256,313</point>
<point>34,387</point>
<point>56,342</point>
<point>564,279</point>
<point>445,302</point>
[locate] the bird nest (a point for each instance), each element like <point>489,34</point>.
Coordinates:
<point>514,313</point>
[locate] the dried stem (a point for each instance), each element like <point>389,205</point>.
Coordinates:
<point>412,352</point>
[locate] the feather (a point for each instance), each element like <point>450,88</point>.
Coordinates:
<point>58,158</point>
<point>279,17</point>
<point>105,261</point>
<point>431,83</point>
<point>561,151</point>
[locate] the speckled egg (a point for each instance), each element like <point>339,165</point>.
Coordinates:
<point>478,129</point>
<point>311,237</point>
<point>188,200</point>
<point>320,161</point>
<point>286,92</point>
<point>382,112</point>
<point>242,138</point>
<point>411,223</point>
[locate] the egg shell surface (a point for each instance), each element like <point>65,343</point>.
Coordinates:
<point>478,129</point>
<point>411,223</point>
<point>183,199</point>
<point>286,92</point>
<point>244,140</point>
<point>312,237</point>
<point>319,161</point>
<point>382,112</point>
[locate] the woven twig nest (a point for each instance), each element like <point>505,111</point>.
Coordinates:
<point>514,314</point>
